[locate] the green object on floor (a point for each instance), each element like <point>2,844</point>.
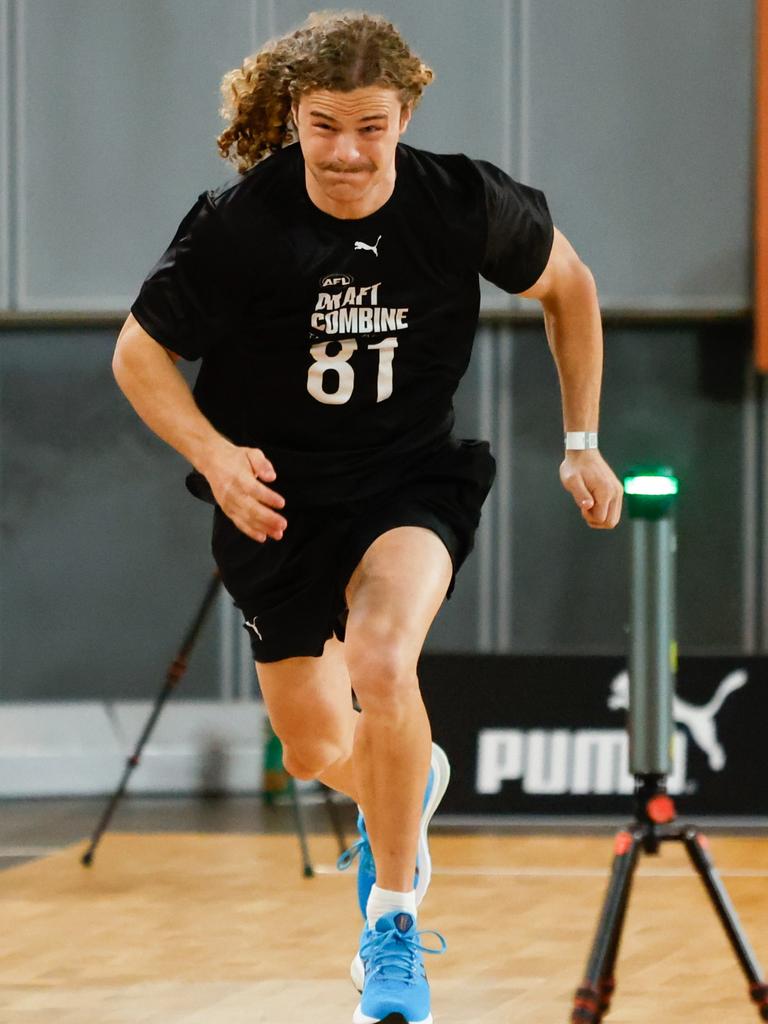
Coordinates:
<point>276,781</point>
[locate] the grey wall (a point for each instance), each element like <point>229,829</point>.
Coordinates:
<point>105,557</point>
<point>634,118</point>
<point>103,560</point>
<point>5,195</point>
<point>541,580</point>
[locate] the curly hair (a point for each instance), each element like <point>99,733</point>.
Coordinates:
<point>332,50</point>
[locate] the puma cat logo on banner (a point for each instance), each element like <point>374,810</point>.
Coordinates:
<point>371,248</point>
<point>699,719</point>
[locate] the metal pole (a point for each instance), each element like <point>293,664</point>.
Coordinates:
<point>653,648</point>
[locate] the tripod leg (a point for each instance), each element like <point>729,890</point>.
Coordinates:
<point>301,828</point>
<point>336,822</point>
<point>173,676</point>
<point>696,845</point>
<point>590,996</point>
<point>608,980</point>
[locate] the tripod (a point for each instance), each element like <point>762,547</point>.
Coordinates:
<point>653,665</point>
<point>173,677</point>
<point>655,823</point>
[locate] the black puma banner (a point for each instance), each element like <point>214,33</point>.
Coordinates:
<point>546,735</point>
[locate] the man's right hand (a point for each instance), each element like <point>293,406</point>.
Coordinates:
<point>147,375</point>
<point>238,478</point>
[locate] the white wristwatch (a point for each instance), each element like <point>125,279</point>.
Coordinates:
<point>579,440</point>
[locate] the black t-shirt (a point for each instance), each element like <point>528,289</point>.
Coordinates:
<point>333,345</point>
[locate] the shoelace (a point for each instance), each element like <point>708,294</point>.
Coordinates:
<point>355,850</point>
<point>361,849</point>
<point>398,953</point>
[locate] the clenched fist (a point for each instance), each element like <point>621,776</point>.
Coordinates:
<point>594,486</point>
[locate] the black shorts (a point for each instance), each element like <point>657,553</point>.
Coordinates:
<point>291,591</point>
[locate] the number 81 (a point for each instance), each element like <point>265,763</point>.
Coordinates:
<point>341,366</point>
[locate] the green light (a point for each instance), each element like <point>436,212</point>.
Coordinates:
<point>651,485</point>
<point>651,491</point>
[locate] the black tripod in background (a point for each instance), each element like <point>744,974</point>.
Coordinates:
<point>655,824</point>
<point>653,665</point>
<point>172,679</point>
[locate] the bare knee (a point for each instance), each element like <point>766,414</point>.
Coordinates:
<point>311,759</point>
<point>383,672</point>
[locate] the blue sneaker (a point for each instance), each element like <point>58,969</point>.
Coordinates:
<point>437,783</point>
<point>395,979</point>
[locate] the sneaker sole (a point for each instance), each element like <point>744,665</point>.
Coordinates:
<point>391,1018</point>
<point>442,776</point>
<point>357,973</point>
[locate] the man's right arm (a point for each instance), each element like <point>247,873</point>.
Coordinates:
<point>147,375</point>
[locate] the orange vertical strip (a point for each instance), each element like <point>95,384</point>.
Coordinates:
<point>761,188</point>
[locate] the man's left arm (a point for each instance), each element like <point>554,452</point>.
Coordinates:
<point>567,292</point>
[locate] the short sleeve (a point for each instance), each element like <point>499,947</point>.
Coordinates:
<point>186,298</point>
<point>520,230</point>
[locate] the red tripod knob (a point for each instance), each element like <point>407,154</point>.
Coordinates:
<point>661,809</point>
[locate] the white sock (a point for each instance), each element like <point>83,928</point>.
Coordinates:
<point>384,901</point>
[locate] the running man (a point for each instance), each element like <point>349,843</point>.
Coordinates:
<point>331,293</point>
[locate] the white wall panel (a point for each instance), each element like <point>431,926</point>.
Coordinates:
<point>640,133</point>
<point>116,137</point>
<point>635,119</point>
<point>57,748</point>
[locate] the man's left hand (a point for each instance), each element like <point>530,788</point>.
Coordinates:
<point>594,487</point>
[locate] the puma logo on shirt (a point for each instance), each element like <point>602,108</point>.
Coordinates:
<point>371,248</point>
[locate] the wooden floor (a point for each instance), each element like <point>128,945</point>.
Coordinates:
<point>222,929</point>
